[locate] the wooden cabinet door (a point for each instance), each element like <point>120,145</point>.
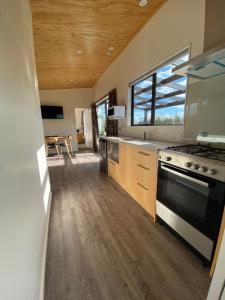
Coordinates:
<point>137,174</point>
<point>123,166</point>
<point>145,196</point>
<point>146,179</point>
<point>113,169</point>
<point>143,175</point>
<point>145,158</point>
<point>131,170</point>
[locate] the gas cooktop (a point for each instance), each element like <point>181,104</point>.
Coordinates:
<point>199,159</point>
<point>200,150</point>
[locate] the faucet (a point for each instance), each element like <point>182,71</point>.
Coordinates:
<point>145,134</point>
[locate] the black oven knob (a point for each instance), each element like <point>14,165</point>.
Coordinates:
<point>194,167</point>
<point>211,172</point>
<point>202,169</point>
<point>187,164</point>
<point>168,158</point>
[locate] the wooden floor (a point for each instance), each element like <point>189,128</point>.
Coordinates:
<point>104,246</point>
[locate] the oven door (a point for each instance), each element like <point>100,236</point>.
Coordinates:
<point>196,199</point>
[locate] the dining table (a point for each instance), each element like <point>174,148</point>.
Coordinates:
<point>59,141</point>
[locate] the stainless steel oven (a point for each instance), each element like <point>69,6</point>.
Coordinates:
<point>192,205</point>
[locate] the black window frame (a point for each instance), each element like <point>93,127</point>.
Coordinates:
<point>153,101</point>
<point>154,87</point>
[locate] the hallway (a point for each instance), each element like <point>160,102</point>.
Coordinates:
<point>104,246</point>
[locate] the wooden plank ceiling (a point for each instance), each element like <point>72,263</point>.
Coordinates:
<point>72,37</point>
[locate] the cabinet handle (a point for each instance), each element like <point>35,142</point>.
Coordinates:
<point>143,153</point>
<point>142,186</point>
<point>143,167</point>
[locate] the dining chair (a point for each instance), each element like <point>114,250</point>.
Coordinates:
<point>70,143</point>
<point>52,143</point>
<point>68,146</point>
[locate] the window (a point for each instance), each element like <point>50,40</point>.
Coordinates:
<point>102,111</point>
<point>159,98</point>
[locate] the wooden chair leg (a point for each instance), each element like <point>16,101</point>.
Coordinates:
<point>71,148</point>
<point>57,149</point>
<point>67,148</point>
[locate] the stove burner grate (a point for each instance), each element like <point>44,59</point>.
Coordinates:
<point>200,150</point>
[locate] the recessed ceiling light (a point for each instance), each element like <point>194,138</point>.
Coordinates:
<point>71,80</point>
<point>143,2</point>
<point>110,48</point>
<point>79,51</point>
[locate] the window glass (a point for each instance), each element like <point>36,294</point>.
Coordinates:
<point>142,101</point>
<point>102,109</point>
<point>159,99</point>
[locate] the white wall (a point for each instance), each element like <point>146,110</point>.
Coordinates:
<point>69,99</point>
<point>214,21</point>
<point>24,181</point>
<point>177,24</point>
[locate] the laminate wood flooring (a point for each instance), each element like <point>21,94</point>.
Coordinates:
<point>103,246</point>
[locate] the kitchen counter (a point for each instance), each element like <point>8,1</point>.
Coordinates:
<point>148,144</point>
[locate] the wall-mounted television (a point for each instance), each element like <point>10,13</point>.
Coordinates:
<point>52,112</point>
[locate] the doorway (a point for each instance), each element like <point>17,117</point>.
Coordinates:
<point>83,121</point>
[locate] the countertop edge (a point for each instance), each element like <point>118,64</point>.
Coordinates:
<point>147,144</point>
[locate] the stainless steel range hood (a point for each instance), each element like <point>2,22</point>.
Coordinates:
<point>207,65</point>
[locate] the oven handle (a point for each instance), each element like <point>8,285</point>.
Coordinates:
<point>203,183</point>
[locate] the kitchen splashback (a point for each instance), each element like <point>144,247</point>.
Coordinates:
<point>205,109</point>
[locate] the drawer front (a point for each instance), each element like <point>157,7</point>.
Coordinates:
<point>112,168</point>
<point>146,198</point>
<point>123,166</point>
<point>143,175</point>
<point>145,158</point>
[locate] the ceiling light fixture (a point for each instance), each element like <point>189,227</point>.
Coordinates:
<point>143,2</point>
<point>110,50</point>
<point>79,51</point>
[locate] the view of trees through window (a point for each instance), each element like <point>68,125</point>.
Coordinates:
<point>102,110</point>
<point>159,98</point>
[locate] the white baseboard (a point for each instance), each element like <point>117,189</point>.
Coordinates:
<point>42,285</point>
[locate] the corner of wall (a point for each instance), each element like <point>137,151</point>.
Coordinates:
<point>45,246</point>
